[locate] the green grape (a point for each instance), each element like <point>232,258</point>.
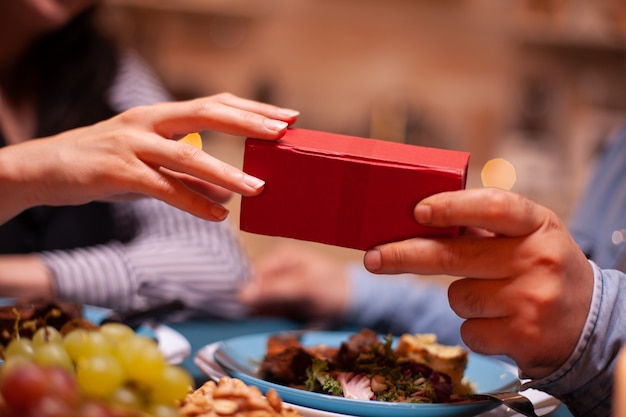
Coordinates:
<point>128,397</point>
<point>161,410</point>
<point>117,332</point>
<point>84,343</point>
<point>142,359</point>
<point>173,384</point>
<point>13,362</point>
<point>99,376</point>
<point>52,354</point>
<point>73,341</point>
<point>19,347</point>
<point>46,334</point>
<point>114,372</point>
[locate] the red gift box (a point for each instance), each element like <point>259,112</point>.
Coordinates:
<point>344,190</point>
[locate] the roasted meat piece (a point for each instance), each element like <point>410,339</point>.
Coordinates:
<point>287,361</point>
<point>26,315</point>
<point>357,345</point>
<point>287,367</point>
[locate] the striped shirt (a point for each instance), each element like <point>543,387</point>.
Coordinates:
<point>162,253</point>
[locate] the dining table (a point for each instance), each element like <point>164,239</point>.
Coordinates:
<point>202,332</point>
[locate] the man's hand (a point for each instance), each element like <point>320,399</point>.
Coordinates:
<point>527,286</point>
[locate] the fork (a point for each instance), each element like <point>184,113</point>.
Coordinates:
<point>513,400</point>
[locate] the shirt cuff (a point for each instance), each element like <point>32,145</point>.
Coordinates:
<point>585,381</point>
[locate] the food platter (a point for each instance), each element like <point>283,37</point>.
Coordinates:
<point>174,346</point>
<point>488,374</point>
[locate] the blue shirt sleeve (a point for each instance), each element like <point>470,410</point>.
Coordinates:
<point>402,304</point>
<point>585,381</point>
<point>599,221</point>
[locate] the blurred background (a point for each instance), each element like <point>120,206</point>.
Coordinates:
<point>539,83</point>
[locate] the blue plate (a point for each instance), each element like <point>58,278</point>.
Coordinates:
<point>488,375</point>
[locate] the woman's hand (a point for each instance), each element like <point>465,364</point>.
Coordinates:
<point>130,155</point>
<point>528,287</point>
<point>298,282</point>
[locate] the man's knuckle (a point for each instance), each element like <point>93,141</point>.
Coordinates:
<point>450,259</point>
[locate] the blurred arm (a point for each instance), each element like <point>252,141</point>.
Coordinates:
<point>171,255</point>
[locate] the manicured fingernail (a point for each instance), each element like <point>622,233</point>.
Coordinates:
<point>253,182</point>
<point>372,260</point>
<point>423,213</point>
<point>289,113</point>
<point>275,125</point>
<point>219,212</point>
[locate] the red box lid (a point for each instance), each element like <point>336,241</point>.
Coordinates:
<point>345,190</point>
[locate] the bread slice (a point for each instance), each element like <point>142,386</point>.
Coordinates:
<point>450,360</point>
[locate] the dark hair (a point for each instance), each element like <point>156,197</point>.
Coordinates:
<point>68,74</point>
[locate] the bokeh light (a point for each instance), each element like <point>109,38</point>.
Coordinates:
<point>498,173</point>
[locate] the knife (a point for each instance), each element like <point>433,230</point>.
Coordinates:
<point>134,318</point>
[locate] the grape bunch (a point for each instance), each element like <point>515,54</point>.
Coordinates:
<point>108,371</point>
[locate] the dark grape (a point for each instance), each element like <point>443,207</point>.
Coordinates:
<point>24,387</point>
<point>63,385</point>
